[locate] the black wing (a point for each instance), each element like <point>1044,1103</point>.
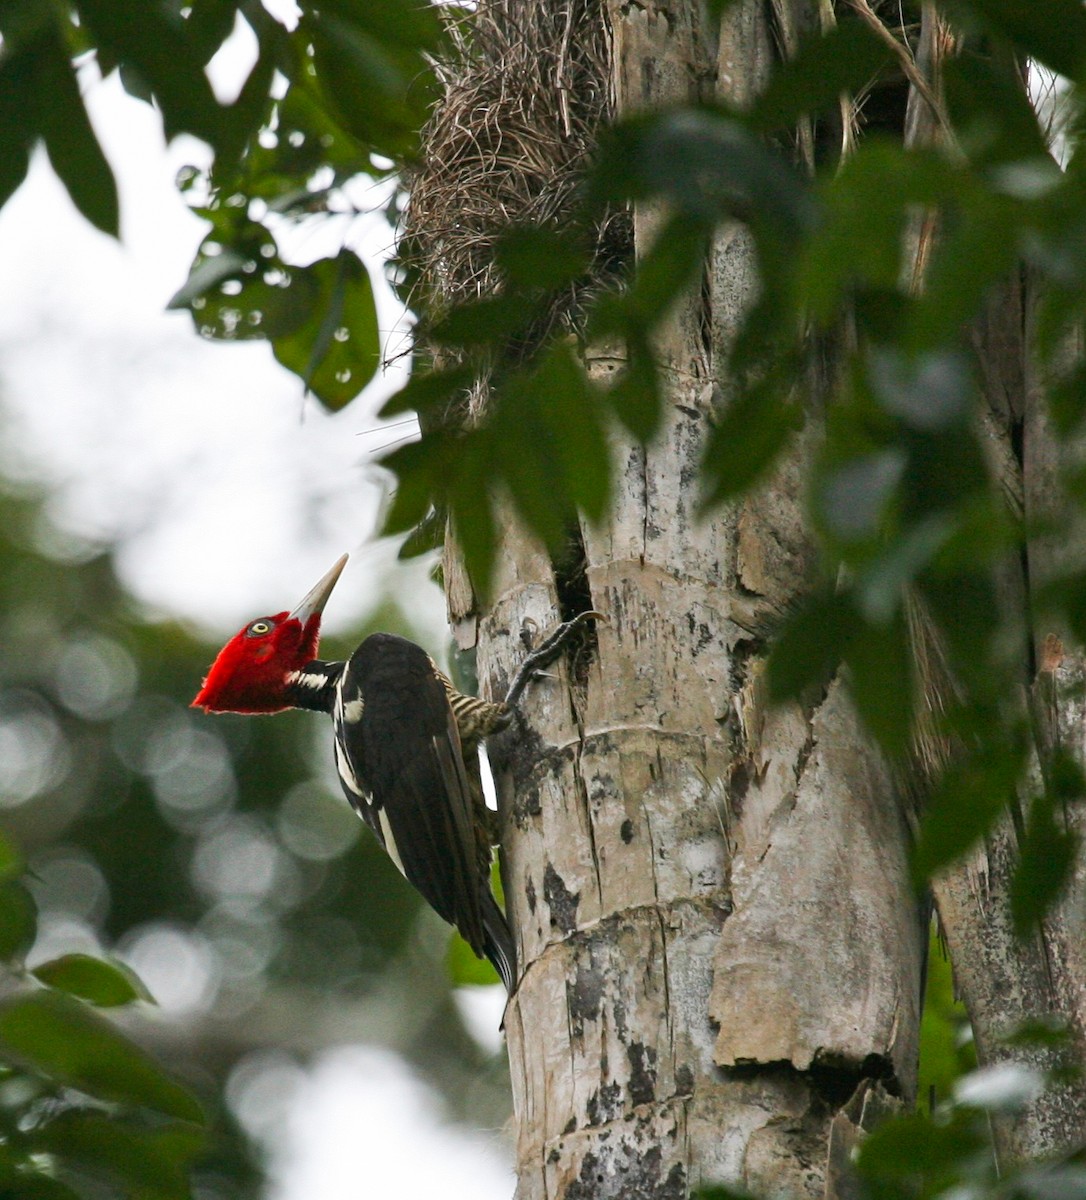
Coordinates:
<point>400,761</point>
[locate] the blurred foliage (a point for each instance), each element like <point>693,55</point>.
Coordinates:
<point>143,815</point>
<point>946,1038</point>
<point>213,859</point>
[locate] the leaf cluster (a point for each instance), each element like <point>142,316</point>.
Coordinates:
<point>79,1101</point>
<point>916,523</point>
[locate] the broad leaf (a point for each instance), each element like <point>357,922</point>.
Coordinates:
<point>336,351</point>
<point>148,1162</point>
<point>67,1042</point>
<point>103,983</point>
<point>18,921</point>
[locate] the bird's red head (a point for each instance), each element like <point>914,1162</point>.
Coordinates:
<point>252,671</point>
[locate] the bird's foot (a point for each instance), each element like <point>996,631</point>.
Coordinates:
<point>546,652</point>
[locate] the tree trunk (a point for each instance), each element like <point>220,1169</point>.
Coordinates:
<point>721,950</point>
<point>720,947</point>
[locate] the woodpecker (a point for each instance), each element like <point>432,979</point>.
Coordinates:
<point>405,743</point>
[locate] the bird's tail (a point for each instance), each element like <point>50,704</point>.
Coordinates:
<point>498,943</point>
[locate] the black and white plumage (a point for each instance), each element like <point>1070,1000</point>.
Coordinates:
<point>406,748</point>
<point>405,768</point>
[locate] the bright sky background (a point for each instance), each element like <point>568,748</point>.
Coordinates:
<point>229,496</point>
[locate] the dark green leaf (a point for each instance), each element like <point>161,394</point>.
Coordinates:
<point>378,90</point>
<point>812,645</point>
<point>159,48</point>
<point>422,471</point>
<point>22,22</point>
<point>746,440</point>
<point>472,512</point>
<point>11,862</point>
<point>880,661</point>
<point>408,23</point>
<point>636,395</point>
<point>67,1042</point>
<point>490,321</point>
<point>991,112</point>
<point>40,1187</point>
<point>977,251</point>
<point>1047,855</point>
<point>970,795</point>
<point>553,416</point>
<point>336,351</point>
<point>707,164</point>
<point>102,982</point>
<point>18,921</point>
<point>1051,31</point>
<point>73,148</point>
<point>154,1162</point>
<point>18,119</point>
<point>533,257</point>
<point>916,1148</point>
<point>866,204</point>
<point>668,270</point>
<point>208,271</point>
<point>846,59</point>
<point>427,390</point>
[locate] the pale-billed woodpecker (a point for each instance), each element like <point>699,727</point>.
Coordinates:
<point>406,749</point>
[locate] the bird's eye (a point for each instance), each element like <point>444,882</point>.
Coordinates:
<point>259,628</point>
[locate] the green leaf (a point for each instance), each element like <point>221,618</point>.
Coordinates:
<point>70,141</point>
<point>847,59</point>
<point>18,921</point>
<point>18,119</point>
<point>971,794</point>
<point>531,256</point>
<point>490,321</point>
<point>880,661</point>
<point>40,1187</point>
<point>552,417</point>
<point>707,164</point>
<point>920,1151</point>
<point>67,1042</point>
<point>1047,855</point>
<point>465,970</point>
<point>866,204</point>
<point>207,273</point>
<point>423,470</point>
<point>105,983</point>
<point>159,47</point>
<point>378,90</point>
<point>471,509</point>
<point>636,394</point>
<point>11,861</point>
<point>427,390</point>
<point>1051,31</point>
<point>336,352</point>
<point>811,645</point>
<point>746,441</point>
<point>155,1162</point>
<point>393,22</point>
<point>991,112</point>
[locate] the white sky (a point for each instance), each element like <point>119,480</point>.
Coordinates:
<point>229,496</point>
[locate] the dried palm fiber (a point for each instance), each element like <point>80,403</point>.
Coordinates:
<point>525,93</point>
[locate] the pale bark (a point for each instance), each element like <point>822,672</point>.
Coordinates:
<point>1007,981</point>
<point>722,954</point>
<point>718,937</point>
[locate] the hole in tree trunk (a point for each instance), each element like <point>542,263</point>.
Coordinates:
<point>575,596</point>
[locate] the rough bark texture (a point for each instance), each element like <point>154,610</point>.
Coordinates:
<point>719,941</point>
<point>1007,981</point>
<point>722,954</point>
